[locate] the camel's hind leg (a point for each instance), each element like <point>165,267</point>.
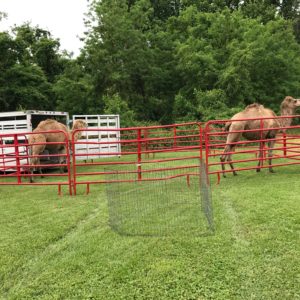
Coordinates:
<point>63,159</point>
<point>270,155</point>
<point>229,159</point>
<point>223,158</point>
<point>260,157</point>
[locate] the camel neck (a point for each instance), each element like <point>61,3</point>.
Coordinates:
<point>284,122</point>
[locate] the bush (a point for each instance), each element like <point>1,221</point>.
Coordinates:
<point>212,105</point>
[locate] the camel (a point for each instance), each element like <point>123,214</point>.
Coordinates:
<point>255,110</point>
<point>40,139</point>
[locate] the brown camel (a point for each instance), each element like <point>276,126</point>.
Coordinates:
<point>287,108</point>
<point>39,141</point>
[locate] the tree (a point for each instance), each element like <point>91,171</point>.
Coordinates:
<point>265,66</point>
<point>114,105</point>
<point>26,87</point>
<point>38,47</point>
<point>248,60</point>
<point>73,91</point>
<point>129,53</point>
<point>29,64</point>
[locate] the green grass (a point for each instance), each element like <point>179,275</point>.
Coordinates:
<point>158,208</point>
<point>54,247</point>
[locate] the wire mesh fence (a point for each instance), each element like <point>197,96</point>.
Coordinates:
<point>171,205</point>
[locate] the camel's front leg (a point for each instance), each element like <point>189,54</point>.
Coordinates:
<point>35,152</point>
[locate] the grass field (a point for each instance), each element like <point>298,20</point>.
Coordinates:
<point>54,247</point>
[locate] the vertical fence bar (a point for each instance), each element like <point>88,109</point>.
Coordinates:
<point>139,154</point>
<point>200,140</point>
<point>146,142</point>
<point>284,144</point>
<point>73,182</point>
<point>2,155</point>
<point>16,144</point>
<point>27,153</point>
<point>69,165</point>
<point>261,145</point>
<point>59,190</point>
<point>206,137</point>
<point>174,137</point>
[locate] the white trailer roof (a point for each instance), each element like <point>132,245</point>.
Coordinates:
<point>33,112</point>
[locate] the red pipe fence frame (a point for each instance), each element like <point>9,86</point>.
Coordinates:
<point>143,154</point>
<point>245,156</point>
<point>16,161</point>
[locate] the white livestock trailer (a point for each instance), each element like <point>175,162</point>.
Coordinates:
<point>21,122</point>
<point>106,139</point>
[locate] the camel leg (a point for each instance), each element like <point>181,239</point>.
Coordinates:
<point>35,151</point>
<point>227,157</point>
<point>31,178</point>
<point>41,150</point>
<point>39,169</point>
<point>40,172</point>
<point>232,138</point>
<point>62,160</point>
<point>223,159</point>
<point>260,156</point>
<point>35,161</point>
<point>270,155</point>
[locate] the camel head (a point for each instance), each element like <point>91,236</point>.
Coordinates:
<point>79,124</point>
<point>289,105</point>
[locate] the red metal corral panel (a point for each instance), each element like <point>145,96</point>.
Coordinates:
<point>142,153</point>
<point>242,147</point>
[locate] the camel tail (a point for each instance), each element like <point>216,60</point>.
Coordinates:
<point>227,126</point>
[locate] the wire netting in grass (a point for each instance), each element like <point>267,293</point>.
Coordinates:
<point>169,206</point>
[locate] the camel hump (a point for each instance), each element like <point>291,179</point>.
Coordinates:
<point>48,121</point>
<point>50,124</point>
<point>254,105</point>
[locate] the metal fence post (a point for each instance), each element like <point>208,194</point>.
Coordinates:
<point>207,149</point>
<point>284,144</point>
<point>16,144</point>
<point>73,165</point>
<point>174,137</point>
<point>68,145</point>
<point>139,154</point>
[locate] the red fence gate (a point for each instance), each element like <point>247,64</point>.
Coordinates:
<point>16,160</point>
<point>143,153</point>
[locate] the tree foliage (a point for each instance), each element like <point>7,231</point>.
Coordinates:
<point>159,61</point>
<point>29,63</point>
